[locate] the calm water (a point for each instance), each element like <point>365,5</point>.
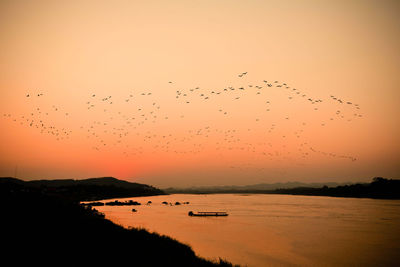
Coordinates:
<point>275,230</point>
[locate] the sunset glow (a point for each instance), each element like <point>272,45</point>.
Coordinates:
<point>183,93</point>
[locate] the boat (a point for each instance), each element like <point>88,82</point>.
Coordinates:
<point>208,213</point>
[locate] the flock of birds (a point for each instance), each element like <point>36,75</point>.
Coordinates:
<point>195,120</point>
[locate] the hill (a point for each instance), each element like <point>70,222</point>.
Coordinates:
<point>379,188</point>
<point>86,189</point>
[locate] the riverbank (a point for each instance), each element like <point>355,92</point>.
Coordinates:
<point>47,228</point>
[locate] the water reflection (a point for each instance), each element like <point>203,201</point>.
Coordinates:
<point>278,230</point>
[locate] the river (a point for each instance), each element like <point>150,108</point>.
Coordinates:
<point>274,230</point>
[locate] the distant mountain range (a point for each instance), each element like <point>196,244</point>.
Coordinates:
<point>109,187</point>
<point>85,189</point>
<point>380,188</point>
<point>254,187</point>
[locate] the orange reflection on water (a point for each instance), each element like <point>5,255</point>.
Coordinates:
<point>274,229</point>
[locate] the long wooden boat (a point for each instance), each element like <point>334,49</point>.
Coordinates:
<point>208,213</point>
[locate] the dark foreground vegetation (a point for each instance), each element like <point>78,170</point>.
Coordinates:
<point>43,227</point>
<point>379,188</point>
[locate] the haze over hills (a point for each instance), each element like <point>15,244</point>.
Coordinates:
<point>110,187</point>
<point>103,181</point>
<point>255,187</point>
<point>380,188</point>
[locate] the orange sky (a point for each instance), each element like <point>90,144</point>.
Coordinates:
<point>179,114</point>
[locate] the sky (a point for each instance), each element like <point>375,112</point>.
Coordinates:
<point>194,93</point>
